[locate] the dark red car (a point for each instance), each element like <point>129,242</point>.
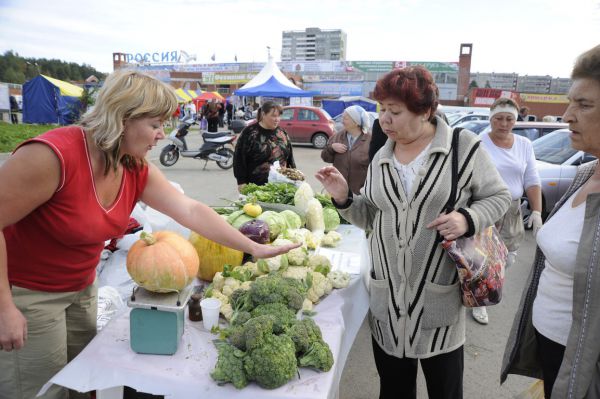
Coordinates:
<point>305,124</point>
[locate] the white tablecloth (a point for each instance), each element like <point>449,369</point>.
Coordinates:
<point>108,361</point>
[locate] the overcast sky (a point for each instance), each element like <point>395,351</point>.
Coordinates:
<point>534,37</point>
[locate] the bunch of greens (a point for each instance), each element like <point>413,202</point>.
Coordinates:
<point>279,193</point>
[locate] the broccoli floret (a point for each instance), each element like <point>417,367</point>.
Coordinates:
<point>283,317</point>
<point>240,300</point>
<point>296,292</point>
<point>230,366</point>
<point>318,356</point>
<point>275,289</point>
<point>272,364</point>
<point>304,333</point>
<point>236,336</point>
<point>241,306</point>
<point>240,317</point>
<point>257,329</point>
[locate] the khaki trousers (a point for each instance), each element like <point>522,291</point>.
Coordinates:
<point>510,226</point>
<point>59,326</point>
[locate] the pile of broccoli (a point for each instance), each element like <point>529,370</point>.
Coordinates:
<point>265,342</point>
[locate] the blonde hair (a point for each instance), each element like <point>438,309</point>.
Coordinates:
<point>125,95</point>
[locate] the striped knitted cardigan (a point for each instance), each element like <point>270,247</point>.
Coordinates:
<point>415,306</point>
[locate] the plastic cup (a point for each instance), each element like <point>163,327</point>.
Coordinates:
<point>210,312</point>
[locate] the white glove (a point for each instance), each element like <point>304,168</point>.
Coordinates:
<point>535,222</point>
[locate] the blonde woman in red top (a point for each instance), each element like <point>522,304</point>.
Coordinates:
<point>63,194</point>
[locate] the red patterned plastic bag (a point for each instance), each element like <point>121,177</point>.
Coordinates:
<point>480,261</point>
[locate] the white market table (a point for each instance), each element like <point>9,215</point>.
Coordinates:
<point>108,363</point>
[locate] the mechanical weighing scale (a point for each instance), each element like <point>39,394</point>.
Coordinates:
<point>156,320</point>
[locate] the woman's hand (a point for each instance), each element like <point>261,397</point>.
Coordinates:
<point>334,183</point>
<point>339,148</point>
<point>13,328</point>
<point>450,226</point>
<point>269,251</point>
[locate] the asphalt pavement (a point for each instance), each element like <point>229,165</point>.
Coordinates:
<point>484,345</point>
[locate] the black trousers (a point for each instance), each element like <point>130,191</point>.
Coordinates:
<point>551,356</point>
<point>213,125</point>
<point>14,118</point>
<point>398,376</point>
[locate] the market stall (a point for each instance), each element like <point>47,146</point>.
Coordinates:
<point>108,363</point>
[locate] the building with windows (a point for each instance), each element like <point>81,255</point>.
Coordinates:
<point>313,44</point>
<point>521,83</point>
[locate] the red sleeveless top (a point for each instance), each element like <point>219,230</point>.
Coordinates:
<point>57,246</point>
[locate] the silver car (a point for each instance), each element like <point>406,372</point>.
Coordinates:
<point>533,130</point>
<point>557,165</point>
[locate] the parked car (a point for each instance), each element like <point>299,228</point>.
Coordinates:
<point>557,165</point>
<point>474,126</point>
<point>534,130</point>
<point>339,126</point>
<point>459,117</point>
<point>305,124</point>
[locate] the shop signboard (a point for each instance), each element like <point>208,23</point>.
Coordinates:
<point>544,98</point>
<point>435,67</point>
<point>229,78</point>
<point>372,66</point>
<point>486,97</point>
<point>335,89</point>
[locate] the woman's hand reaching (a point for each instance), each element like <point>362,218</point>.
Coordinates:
<point>269,251</point>
<point>334,183</point>
<point>450,226</point>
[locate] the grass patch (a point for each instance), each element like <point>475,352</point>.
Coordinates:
<point>12,135</point>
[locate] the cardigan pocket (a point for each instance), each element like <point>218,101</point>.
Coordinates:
<point>379,294</point>
<point>441,305</point>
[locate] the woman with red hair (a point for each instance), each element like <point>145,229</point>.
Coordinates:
<point>416,314</point>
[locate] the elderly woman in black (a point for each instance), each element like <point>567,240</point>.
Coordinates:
<point>260,145</point>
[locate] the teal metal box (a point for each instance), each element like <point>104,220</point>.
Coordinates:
<point>156,321</point>
<point>155,332</point>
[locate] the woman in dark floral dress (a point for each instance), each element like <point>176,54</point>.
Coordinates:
<point>260,145</point>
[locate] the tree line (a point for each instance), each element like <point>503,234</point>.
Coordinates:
<point>17,69</point>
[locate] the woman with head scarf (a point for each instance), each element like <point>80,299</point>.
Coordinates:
<point>348,150</point>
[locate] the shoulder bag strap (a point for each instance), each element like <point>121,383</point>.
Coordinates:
<point>454,182</point>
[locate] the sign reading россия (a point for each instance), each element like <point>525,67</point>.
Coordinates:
<point>153,58</point>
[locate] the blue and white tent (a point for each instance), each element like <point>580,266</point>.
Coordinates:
<point>271,82</point>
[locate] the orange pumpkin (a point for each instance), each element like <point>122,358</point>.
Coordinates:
<point>162,262</point>
<point>213,256</point>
